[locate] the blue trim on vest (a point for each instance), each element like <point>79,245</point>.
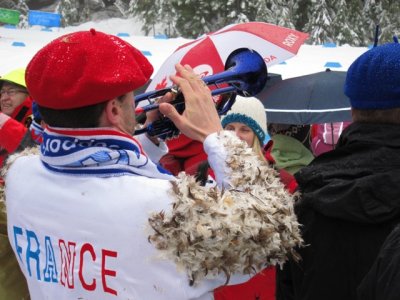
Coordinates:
<point>240,118</point>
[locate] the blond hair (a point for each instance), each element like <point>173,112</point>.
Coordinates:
<point>258,149</point>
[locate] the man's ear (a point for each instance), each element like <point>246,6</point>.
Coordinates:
<point>112,113</point>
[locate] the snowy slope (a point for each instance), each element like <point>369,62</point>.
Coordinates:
<point>17,47</point>
<point>15,54</point>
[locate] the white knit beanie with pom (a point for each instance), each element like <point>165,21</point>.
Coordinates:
<point>249,111</point>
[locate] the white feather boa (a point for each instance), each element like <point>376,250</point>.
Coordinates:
<point>237,230</point>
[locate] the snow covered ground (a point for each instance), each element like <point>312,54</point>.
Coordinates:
<point>15,54</point>
<point>17,46</point>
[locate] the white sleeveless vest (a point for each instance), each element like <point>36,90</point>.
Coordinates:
<point>86,238</point>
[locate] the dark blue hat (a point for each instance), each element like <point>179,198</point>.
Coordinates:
<point>373,79</point>
<point>35,111</point>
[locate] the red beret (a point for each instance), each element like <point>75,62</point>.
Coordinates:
<point>85,68</point>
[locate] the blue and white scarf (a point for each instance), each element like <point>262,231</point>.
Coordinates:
<point>101,152</point>
<point>36,132</point>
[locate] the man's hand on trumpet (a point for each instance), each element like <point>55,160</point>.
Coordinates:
<point>154,115</point>
<point>200,117</point>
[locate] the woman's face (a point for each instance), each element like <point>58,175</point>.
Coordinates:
<point>243,132</point>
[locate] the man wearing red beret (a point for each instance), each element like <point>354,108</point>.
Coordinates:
<point>78,211</point>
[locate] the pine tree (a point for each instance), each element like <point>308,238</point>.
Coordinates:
<point>264,13</point>
<point>170,17</point>
<point>23,8</point>
<point>123,7</point>
<point>192,18</point>
<point>341,21</point>
<point>371,13</point>
<point>84,9</point>
<point>319,26</point>
<point>394,20</point>
<point>248,11</point>
<point>302,15</point>
<point>68,9</point>
<point>343,31</point>
<point>355,19</point>
<point>9,4</point>
<point>284,11</point>
<point>148,11</point>
<point>195,18</point>
<point>133,10</point>
<point>389,22</point>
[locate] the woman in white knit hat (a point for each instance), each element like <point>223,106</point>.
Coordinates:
<point>248,119</point>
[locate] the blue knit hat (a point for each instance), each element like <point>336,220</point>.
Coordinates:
<point>249,111</point>
<point>373,79</point>
<point>35,111</point>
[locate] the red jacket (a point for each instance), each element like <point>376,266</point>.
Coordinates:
<point>11,135</point>
<point>184,154</point>
<point>14,130</point>
<point>260,287</point>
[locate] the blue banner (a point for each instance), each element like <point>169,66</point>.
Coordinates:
<point>43,18</point>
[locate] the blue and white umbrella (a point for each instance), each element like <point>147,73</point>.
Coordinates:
<point>310,99</point>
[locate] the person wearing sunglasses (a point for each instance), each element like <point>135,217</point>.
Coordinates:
<point>15,112</point>
<point>15,117</point>
<point>14,98</point>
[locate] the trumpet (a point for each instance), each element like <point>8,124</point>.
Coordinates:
<point>245,74</point>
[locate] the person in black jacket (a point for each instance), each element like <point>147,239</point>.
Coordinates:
<point>382,280</point>
<point>350,197</point>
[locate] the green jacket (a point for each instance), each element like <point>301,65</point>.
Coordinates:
<point>289,153</point>
<point>12,282</point>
